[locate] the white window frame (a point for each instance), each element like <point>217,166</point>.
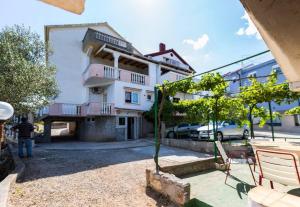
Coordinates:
<point>131,97</point>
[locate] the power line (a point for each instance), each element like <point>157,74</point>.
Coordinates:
<point>220,67</point>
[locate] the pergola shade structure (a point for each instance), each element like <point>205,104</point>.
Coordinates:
<point>278,22</point>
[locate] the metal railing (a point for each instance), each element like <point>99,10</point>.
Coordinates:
<point>112,40</point>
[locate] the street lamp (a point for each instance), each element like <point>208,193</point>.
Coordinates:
<point>6,111</point>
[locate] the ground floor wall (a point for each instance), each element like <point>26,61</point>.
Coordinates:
<point>98,129</point>
<point>287,123</point>
<point>126,125</point>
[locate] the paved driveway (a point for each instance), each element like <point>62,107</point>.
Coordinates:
<point>93,176</point>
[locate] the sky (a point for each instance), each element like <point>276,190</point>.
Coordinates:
<point>207,33</point>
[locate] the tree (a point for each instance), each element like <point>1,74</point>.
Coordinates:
<point>259,92</point>
<point>293,111</point>
<point>27,83</point>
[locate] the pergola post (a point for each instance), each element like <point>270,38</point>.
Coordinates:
<point>271,119</point>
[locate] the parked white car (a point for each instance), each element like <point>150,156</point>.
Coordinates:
<point>226,130</point>
<point>182,130</point>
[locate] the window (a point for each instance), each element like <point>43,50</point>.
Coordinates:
<point>131,97</point>
<point>149,97</point>
<point>128,97</point>
<point>183,125</point>
<point>121,121</point>
<point>134,97</point>
<point>297,120</point>
<point>252,74</point>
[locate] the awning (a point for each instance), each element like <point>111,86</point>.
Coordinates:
<point>278,22</point>
<point>75,6</point>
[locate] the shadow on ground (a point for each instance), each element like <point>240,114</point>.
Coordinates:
<point>196,203</point>
<point>50,163</point>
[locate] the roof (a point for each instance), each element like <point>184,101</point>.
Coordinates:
<point>47,27</point>
<point>172,51</point>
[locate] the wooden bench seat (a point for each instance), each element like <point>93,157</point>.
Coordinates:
<point>260,196</point>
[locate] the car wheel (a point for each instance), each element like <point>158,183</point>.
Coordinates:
<point>171,135</point>
<point>220,136</point>
<point>245,134</point>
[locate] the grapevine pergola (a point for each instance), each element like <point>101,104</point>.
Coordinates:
<point>216,85</point>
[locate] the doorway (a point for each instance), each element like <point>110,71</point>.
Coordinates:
<point>130,128</point>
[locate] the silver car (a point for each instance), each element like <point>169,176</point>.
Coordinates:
<point>182,130</point>
<point>226,130</point>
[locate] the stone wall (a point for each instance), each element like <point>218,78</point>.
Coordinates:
<point>175,189</point>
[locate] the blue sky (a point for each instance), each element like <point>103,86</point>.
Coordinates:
<point>207,33</point>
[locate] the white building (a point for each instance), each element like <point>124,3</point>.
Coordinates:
<point>105,83</point>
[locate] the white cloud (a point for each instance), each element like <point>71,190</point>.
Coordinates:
<point>250,29</point>
<point>199,43</point>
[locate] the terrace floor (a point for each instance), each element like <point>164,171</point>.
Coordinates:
<point>208,188</point>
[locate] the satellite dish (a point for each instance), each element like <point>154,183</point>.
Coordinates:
<point>6,111</point>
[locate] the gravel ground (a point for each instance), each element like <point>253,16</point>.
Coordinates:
<point>85,178</point>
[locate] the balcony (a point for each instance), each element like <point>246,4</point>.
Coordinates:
<point>97,39</point>
<point>98,74</point>
<point>61,109</point>
<point>96,109</point>
<point>78,110</point>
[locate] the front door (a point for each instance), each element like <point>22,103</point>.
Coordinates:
<point>130,128</point>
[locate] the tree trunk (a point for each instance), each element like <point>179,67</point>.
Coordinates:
<point>251,122</point>
<point>157,147</point>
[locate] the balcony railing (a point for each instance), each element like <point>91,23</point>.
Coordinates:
<point>108,72</point>
<point>97,39</point>
<point>62,109</point>
<point>95,108</point>
<point>77,110</point>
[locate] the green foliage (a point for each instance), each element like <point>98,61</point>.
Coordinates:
<point>26,81</point>
<point>293,111</point>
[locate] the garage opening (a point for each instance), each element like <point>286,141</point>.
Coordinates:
<point>63,131</point>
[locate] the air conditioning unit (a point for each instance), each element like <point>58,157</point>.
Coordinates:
<point>96,90</point>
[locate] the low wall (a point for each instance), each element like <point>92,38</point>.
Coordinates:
<point>177,190</point>
<point>191,167</point>
<point>234,150</point>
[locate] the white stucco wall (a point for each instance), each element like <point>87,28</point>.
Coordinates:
<point>169,56</point>
<point>71,61</point>
<point>119,97</point>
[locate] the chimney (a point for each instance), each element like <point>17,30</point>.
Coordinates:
<point>162,47</point>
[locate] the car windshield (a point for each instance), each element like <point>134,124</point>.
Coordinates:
<point>219,122</point>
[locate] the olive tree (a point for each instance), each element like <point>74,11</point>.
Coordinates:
<point>27,82</point>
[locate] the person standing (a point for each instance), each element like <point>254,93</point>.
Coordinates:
<point>24,137</point>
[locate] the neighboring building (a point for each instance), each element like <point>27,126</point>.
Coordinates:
<point>285,123</point>
<point>105,83</point>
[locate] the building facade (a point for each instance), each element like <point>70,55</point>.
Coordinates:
<point>285,122</point>
<point>105,83</point>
